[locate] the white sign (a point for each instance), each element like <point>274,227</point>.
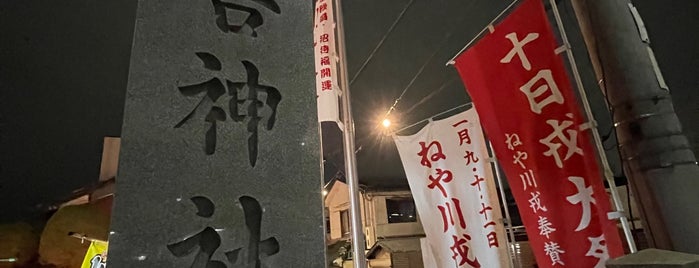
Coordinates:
<point>326,59</point>
<point>452,184</point>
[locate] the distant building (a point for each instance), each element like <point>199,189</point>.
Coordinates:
<point>390,223</point>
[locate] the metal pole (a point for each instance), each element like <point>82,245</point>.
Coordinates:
<point>608,175</point>
<point>510,230</point>
<point>452,60</point>
<point>357,232</point>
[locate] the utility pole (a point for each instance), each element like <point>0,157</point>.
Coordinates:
<point>657,159</point>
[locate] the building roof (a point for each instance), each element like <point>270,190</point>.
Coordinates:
<point>408,244</point>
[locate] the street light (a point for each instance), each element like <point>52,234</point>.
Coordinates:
<point>386,123</point>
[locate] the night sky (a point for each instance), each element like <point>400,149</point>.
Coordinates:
<point>64,68</point>
<point>63,73</point>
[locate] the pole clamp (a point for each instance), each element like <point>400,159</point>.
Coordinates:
<point>616,215</point>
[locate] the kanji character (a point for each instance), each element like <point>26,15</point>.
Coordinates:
<point>324,38</point>
<point>253,222</point>
<point>324,49</point>
<point>322,7</point>
<point>253,20</point>
<point>518,50</point>
<point>477,181</point>
<point>325,72</point>
<point>470,157</point>
<point>323,17</point>
<point>570,141</point>
<point>484,210</point>
<point>490,223</point>
<point>584,198</point>
<point>554,95</point>
<point>207,240</point>
<point>528,179</point>
<point>446,210</point>
<point>463,134</point>
<point>460,249</point>
<point>598,249</point>
<point>214,88</point>
<point>325,60</point>
<point>326,85</point>
<point>492,239</point>
<point>545,226</point>
<point>273,97</point>
<point>535,202</point>
<point>554,251</point>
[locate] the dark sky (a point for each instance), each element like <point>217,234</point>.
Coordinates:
<point>64,67</point>
<point>63,72</point>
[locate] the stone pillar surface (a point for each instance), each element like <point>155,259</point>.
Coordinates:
<point>220,154</point>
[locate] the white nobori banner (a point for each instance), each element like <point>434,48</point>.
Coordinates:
<point>451,180</point>
<point>326,59</point>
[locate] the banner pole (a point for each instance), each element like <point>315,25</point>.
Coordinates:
<point>489,25</point>
<point>84,237</point>
<point>431,117</point>
<point>503,201</point>
<point>608,175</point>
<point>357,231</point>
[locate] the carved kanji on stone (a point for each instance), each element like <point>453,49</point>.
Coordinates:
<point>253,20</point>
<point>213,89</point>
<point>208,240</point>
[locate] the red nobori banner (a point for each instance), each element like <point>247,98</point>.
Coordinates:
<point>519,87</point>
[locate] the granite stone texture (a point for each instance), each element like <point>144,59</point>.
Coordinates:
<point>220,157</point>
<point>655,258</point>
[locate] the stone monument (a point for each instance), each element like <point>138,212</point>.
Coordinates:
<point>220,156</point>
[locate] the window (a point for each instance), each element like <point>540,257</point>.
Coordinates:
<point>344,222</point>
<point>400,210</point>
<point>327,221</point>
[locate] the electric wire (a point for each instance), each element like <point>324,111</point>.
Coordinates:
<point>378,45</point>
<point>419,72</point>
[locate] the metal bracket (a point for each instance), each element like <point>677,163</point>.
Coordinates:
<point>592,124</point>
<point>616,215</point>
<point>656,69</point>
<point>642,32</point>
<point>561,49</point>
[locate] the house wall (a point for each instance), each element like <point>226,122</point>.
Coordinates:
<point>336,201</point>
<point>382,260</point>
<point>374,215</point>
<point>411,259</point>
<point>380,226</point>
<point>335,225</point>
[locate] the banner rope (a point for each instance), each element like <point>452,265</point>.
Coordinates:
<point>488,26</point>
<point>430,118</point>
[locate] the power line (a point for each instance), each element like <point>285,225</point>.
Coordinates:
<point>422,68</point>
<point>383,38</point>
